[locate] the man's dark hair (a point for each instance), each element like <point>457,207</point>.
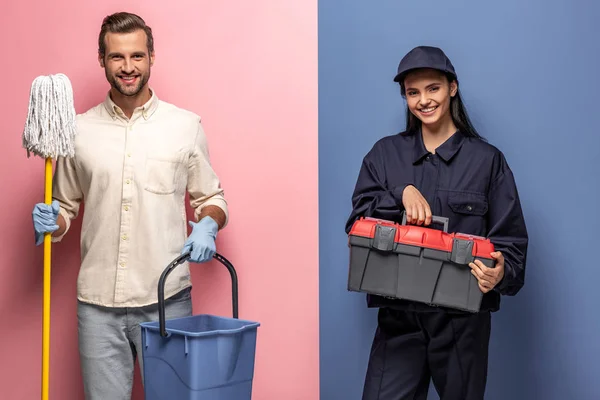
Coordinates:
<point>124,22</point>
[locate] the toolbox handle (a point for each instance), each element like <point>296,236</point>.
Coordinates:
<point>434,218</point>
<point>180,260</point>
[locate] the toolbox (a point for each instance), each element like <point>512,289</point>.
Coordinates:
<point>416,263</point>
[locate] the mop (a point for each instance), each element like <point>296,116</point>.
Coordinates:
<point>49,133</point>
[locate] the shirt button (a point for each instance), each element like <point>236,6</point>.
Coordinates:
<point>469,208</point>
<point>128,154</point>
<point>124,237</point>
<point>127,181</point>
<point>122,265</point>
<point>126,208</point>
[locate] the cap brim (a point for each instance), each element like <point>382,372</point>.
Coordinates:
<point>401,75</point>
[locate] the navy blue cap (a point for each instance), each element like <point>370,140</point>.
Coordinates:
<point>424,57</point>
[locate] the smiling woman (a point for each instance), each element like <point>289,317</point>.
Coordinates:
<point>428,94</point>
<point>439,166</point>
<point>434,103</point>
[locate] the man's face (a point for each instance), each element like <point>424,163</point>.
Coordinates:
<point>126,61</point>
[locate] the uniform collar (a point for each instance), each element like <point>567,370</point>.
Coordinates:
<point>145,110</point>
<point>446,150</point>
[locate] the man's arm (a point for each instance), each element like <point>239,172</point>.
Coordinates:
<point>62,226</point>
<point>67,192</point>
<point>204,186</point>
<point>215,213</point>
<point>206,198</point>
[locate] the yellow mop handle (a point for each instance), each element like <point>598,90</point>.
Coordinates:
<point>46,312</point>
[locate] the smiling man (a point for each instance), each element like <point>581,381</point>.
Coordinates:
<point>136,157</point>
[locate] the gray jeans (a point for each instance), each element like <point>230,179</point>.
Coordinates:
<point>110,340</point>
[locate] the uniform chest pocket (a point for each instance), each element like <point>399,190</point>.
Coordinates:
<point>463,203</point>
<point>161,173</point>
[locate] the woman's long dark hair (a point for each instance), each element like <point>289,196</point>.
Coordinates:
<point>458,112</point>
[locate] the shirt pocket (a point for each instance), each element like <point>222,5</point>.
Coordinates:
<point>161,172</point>
<point>468,203</point>
<point>468,212</point>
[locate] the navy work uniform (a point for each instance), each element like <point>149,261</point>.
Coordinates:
<point>468,181</point>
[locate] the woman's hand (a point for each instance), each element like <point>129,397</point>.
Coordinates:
<point>487,277</point>
<point>416,207</point>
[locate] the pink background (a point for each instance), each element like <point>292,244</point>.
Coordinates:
<point>250,70</point>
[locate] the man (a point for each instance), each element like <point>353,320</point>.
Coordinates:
<point>135,158</point>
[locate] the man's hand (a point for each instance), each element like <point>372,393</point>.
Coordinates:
<point>44,220</point>
<point>416,207</point>
<point>201,242</point>
<point>488,277</point>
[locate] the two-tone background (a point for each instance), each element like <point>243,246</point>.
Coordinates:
<point>293,94</point>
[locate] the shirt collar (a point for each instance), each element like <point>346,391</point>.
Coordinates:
<point>450,147</point>
<point>145,110</point>
<point>446,150</point>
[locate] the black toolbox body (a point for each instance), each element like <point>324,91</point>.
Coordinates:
<point>416,263</point>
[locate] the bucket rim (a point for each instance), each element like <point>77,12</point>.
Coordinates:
<point>248,325</point>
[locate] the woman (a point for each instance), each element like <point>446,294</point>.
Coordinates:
<point>439,166</point>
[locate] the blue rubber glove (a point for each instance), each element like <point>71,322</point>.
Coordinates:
<point>44,220</point>
<point>201,242</point>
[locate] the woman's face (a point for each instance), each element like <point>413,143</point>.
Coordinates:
<point>428,95</point>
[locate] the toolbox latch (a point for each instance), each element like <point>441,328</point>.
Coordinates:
<point>462,251</point>
<point>384,237</point>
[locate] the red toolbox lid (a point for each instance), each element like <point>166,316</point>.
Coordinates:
<point>421,236</point>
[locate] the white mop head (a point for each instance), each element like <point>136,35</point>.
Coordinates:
<point>50,127</point>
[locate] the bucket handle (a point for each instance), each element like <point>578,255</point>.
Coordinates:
<point>180,260</point>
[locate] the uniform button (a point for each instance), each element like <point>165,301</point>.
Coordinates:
<point>128,154</point>
<point>122,265</point>
<point>126,208</point>
<point>469,208</point>
<point>127,181</point>
<point>124,237</point>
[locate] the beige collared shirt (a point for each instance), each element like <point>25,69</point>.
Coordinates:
<point>132,176</point>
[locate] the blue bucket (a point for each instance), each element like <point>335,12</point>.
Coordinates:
<point>202,357</point>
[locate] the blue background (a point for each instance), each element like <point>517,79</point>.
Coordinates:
<point>528,71</point>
